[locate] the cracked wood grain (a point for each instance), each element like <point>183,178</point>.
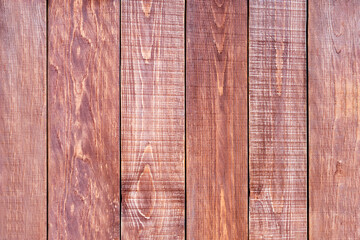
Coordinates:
<point>84,154</point>
<point>277,119</point>
<point>216,119</point>
<point>334,113</point>
<point>152,119</point>
<point>22,120</point>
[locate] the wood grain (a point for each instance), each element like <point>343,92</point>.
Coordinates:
<point>277,119</point>
<point>22,119</point>
<point>152,119</point>
<point>216,119</point>
<point>334,113</point>
<point>84,109</point>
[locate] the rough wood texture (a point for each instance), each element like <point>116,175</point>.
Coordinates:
<point>277,120</point>
<point>22,119</point>
<point>152,119</point>
<point>334,112</point>
<point>216,119</point>
<point>84,158</point>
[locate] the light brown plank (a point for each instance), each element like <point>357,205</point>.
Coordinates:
<point>334,94</point>
<point>277,119</point>
<point>216,119</point>
<point>22,119</point>
<point>84,154</point>
<point>152,119</point>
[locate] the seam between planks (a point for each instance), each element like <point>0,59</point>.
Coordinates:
<point>120,152</point>
<point>307,117</point>
<point>185,122</point>
<point>248,113</point>
<point>47,118</point>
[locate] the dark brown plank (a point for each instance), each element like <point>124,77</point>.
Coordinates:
<point>84,154</point>
<point>22,119</point>
<point>334,93</point>
<point>152,119</point>
<point>277,119</point>
<point>216,119</point>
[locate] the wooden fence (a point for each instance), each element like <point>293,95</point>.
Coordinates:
<point>174,119</point>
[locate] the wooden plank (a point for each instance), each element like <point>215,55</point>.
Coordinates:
<point>216,119</point>
<point>152,119</point>
<point>334,93</point>
<point>22,119</point>
<point>84,109</point>
<point>277,119</point>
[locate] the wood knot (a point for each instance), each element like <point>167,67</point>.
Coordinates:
<point>146,53</point>
<point>146,7</point>
<point>145,192</point>
<point>339,168</point>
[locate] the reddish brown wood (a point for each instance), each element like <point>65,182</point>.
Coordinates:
<point>216,119</point>
<point>334,94</point>
<point>277,119</point>
<point>152,119</point>
<point>22,119</point>
<point>84,154</point>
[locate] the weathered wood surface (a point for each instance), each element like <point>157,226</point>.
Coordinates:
<point>84,114</point>
<point>334,94</point>
<point>84,154</point>
<point>152,119</point>
<point>216,119</point>
<point>277,119</point>
<point>22,119</point>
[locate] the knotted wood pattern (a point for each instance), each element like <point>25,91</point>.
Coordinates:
<point>152,119</point>
<point>84,109</point>
<point>167,119</point>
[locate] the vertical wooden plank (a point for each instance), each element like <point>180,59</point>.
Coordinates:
<point>84,154</point>
<point>152,119</point>
<point>277,119</point>
<point>22,119</point>
<point>216,119</point>
<point>334,113</point>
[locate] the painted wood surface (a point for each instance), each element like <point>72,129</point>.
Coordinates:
<point>152,119</point>
<point>22,119</point>
<point>334,94</point>
<point>216,119</point>
<point>83,118</point>
<point>277,119</point>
